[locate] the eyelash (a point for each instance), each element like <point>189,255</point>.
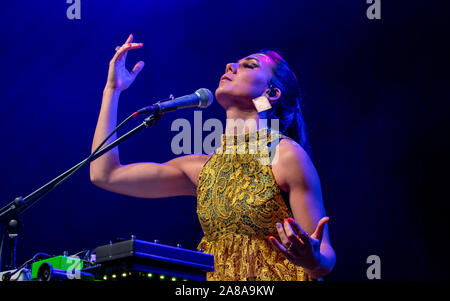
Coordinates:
<point>250,65</point>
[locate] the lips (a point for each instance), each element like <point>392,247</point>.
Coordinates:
<point>225,77</point>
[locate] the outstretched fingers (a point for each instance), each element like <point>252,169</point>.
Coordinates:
<point>122,51</point>
<point>295,233</point>
<point>137,68</point>
<point>279,247</point>
<point>129,39</point>
<point>320,227</point>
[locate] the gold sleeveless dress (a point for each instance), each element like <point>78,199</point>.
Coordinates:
<point>238,205</point>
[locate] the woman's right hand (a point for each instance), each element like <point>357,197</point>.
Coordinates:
<point>119,78</point>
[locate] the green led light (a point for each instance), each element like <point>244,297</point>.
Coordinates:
<point>174,279</point>
<point>149,275</point>
<point>162,277</point>
<point>105,277</point>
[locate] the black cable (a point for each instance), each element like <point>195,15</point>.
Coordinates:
<point>80,165</point>
<point>26,262</point>
<point>1,248</point>
<point>50,188</point>
<point>85,257</point>
<point>48,256</point>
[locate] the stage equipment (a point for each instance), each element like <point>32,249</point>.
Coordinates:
<point>137,259</point>
<point>9,214</point>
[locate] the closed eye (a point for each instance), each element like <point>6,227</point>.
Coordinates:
<point>250,65</point>
<point>249,62</point>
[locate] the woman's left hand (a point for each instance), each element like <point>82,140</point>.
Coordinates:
<point>297,246</point>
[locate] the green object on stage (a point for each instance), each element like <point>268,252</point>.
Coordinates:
<point>64,263</point>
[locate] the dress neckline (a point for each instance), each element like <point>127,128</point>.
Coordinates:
<point>260,134</point>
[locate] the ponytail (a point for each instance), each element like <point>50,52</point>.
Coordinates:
<point>288,108</point>
<point>297,130</point>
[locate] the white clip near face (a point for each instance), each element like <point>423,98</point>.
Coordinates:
<point>262,103</point>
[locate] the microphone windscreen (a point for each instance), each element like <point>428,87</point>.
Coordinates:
<point>206,97</point>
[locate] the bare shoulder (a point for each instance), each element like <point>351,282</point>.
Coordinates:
<point>293,165</point>
<point>189,159</point>
<point>190,165</point>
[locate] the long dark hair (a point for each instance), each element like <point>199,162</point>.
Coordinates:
<point>288,108</point>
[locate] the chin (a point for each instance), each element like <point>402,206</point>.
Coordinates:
<point>222,97</point>
<point>227,100</point>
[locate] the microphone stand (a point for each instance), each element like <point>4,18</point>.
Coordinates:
<point>10,214</point>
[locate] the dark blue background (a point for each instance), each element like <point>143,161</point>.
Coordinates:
<point>376,99</point>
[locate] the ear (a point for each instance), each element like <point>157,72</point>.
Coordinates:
<point>275,96</point>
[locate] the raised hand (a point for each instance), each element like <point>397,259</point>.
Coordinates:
<point>297,246</point>
<point>119,77</point>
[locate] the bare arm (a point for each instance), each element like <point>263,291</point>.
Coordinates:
<point>106,123</point>
<point>297,175</point>
<point>146,180</point>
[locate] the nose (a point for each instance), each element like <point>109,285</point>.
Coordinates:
<point>231,67</point>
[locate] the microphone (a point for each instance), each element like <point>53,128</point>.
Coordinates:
<point>202,98</point>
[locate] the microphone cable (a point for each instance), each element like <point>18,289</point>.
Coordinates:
<point>50,186</point>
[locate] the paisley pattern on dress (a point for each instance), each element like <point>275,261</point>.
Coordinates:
<point>238,205</point>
